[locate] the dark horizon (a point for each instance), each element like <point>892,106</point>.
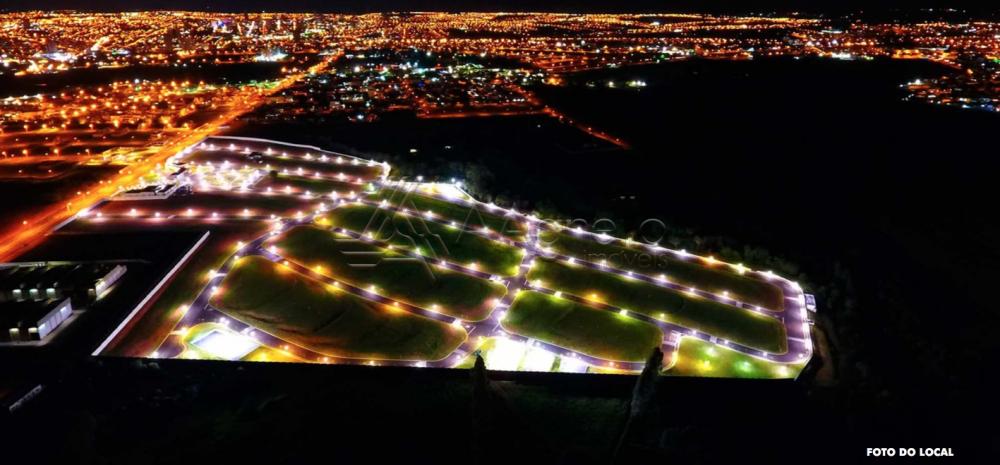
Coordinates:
<point>820,7</point>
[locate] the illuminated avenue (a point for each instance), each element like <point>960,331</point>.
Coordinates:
<point>644,236</point>
<point>136,125</point>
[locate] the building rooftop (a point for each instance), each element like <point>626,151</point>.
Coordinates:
<point>26,313</point>
<point>52,275</point>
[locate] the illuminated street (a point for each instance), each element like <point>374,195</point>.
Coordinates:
<point>497,232</point>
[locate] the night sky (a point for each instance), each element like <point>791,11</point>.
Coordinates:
<point>814,6</point>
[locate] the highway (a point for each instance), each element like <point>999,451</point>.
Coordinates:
<point>33,230</point>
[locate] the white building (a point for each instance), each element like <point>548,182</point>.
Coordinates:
<point>32,320</point>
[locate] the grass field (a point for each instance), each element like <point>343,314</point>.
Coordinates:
<point>260,354</point>
<point>485,345</point>
<point>726,321</point>
<point>501,353</point>
<point>696,357</point>
<point>598,370</point>
<point>430,239</point>
<point>692,273</point>
<point>402,278</point>
<point>163,314</point>
<point>581,328</point>
<point>321,318</point>
<point>191,351</point>
<point>268,354</point>
<point>472,217</point>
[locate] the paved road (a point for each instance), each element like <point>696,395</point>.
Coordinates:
<point>793,316</point>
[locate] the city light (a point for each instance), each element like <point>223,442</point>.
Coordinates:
<point>173,118</point>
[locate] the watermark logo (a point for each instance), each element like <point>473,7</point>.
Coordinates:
<point>651,232</point>
<point>431,237</point>
<point>909,452</point>
<point>398,220</point>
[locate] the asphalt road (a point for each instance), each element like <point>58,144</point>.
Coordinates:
<point>793,316</point>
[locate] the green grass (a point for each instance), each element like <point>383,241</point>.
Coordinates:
<point>470,217</point>
<point>488,345</point>
<point>156,323</point>
<point>430,239</point>
<point>726,321</point>
<point>687,273</point>
<point>192,351</point>
<point>470,360</point>
<point>402,278</point>
<point>319,317</point>
<point>696,357</point>
<point>581,328</point>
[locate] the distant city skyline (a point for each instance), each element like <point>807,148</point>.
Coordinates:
<point>505,231</point>
<point>353,6</point>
